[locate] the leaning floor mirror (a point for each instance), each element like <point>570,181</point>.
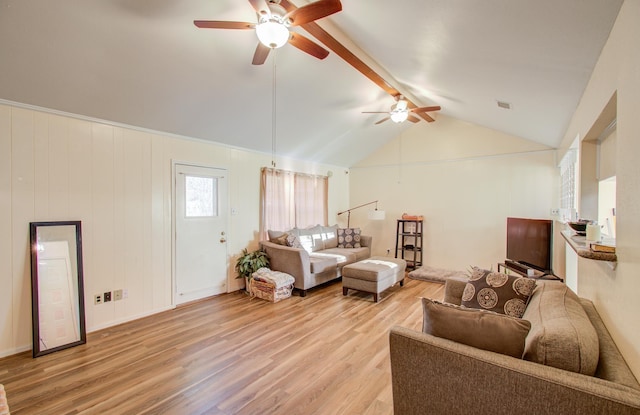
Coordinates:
<point>56,286</point>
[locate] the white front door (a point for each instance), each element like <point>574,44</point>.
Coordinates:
<point>200,232</point>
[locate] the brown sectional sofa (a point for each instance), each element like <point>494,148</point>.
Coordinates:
<point>434,375</point>
<point>319,261</point>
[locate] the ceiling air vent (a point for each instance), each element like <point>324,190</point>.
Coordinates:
<point>504,105</point>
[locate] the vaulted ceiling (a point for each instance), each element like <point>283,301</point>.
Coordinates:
<point>144,63</point>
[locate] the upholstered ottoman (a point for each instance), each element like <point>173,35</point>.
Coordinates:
<point>373,275</point>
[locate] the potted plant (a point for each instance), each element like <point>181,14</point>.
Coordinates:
<point>250,262</point>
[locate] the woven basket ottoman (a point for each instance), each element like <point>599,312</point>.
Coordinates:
<point>373,275</point>
<point>4,406</point>
<point>270,285</point>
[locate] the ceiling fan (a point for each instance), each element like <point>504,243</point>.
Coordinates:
<point>273,25</point>
<point>401,112</point>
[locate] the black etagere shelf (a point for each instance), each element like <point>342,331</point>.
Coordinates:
<point>409,242</point>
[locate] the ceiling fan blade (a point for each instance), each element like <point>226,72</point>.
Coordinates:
<point>260,6</point>
<point>308,46</point>
<point>260,54</point>
<point>426,117</point>
<point>216,24</point>
<point>413,118</point>
<point>313,11</point>
<point>426,109</point>
<point>382,120</point>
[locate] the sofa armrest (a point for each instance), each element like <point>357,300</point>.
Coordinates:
<point>292,261</point>
<point>366,240</point>
<point>453,290</point>
<point>435,375</point>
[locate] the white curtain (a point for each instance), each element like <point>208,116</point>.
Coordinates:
<point>289,199</point>
<point>310,200</point>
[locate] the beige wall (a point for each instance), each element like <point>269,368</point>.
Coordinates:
<point>465,179</point>
<point>607,157</point>
<point>615,291</point>
<point>117,181</point>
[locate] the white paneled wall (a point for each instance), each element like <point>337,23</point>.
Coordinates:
<point>7,312</point>
<point>60,168</point>
<point>117,181</point>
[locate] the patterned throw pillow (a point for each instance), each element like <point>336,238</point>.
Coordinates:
<point>498,292</point>
<point>349,238</point>
<point>293,241</point>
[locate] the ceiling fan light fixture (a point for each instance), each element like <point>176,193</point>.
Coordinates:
<point>272,33</point>
<point>398,115</point>
<point>401,105</point>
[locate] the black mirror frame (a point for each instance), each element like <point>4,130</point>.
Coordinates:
<point>35,297</point>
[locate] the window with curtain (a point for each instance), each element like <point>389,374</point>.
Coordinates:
<point>289,199</point>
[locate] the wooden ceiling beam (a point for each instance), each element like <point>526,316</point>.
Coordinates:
<point>334,45</point>
<point>330,42</point>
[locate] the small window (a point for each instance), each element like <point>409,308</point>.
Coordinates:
<point>201,196</point>
<point>568,186</point>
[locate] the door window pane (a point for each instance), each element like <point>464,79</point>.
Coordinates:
<point>201,196</point>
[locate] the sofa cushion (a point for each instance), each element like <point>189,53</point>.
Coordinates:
<point>321,263</point>
<point>351,254</point>
<point>561,334</point>
<point>349,238</point>
<point>341,256</point>
<point>330,236</point>
<point>478,328</point>
<point>311,238</point>
<point>498,292</point>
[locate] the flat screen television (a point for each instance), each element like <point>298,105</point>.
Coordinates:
<point>529,242</point>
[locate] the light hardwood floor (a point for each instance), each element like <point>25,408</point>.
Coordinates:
<point>321,354</point>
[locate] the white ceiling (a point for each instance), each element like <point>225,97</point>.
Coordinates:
<point>145,64</point>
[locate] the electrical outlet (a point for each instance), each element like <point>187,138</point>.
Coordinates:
<point>107,296</point>
<point>555,212</point>
<point>97,299</point>
<point>388,251</point>
<point>125,294</point>
<point>117,295</point>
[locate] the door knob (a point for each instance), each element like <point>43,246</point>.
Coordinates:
<point>222,240</point>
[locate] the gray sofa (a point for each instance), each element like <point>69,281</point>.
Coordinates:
<point>319,260</point>
<point>433,375</point>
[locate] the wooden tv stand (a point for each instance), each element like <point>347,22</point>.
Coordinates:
<point>524,271</point>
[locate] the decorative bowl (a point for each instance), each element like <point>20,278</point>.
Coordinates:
<point>579,227</point>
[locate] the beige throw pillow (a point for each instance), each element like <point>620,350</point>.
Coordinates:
<point>478,328</point>
<point>280,240</point>
<point>274,234</point>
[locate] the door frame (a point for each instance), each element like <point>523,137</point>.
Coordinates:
<point>174,164</point>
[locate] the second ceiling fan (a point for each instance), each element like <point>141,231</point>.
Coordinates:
<point>273,25</point>
<point>401,112</point>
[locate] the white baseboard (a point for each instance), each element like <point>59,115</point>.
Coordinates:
<point>128,318</point>
<point>11,352</point>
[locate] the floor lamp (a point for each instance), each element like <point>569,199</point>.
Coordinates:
<point>373,215</point>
